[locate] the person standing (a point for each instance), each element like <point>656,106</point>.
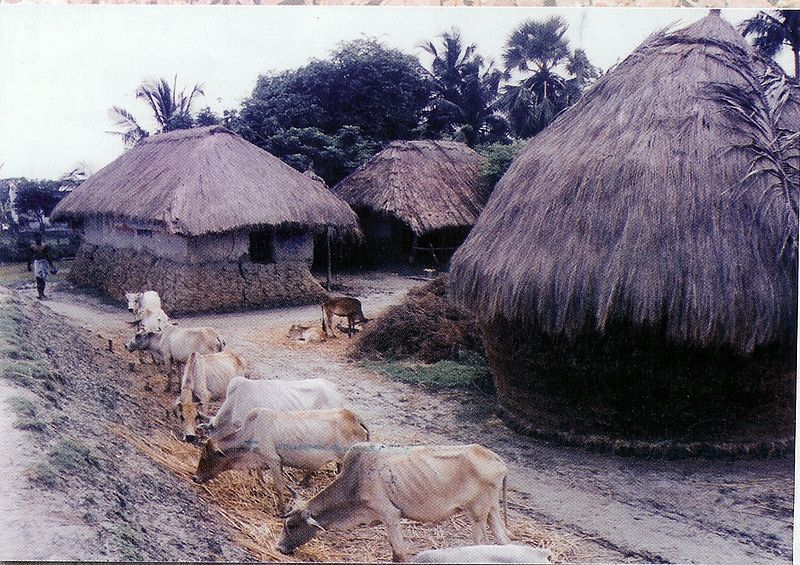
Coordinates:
<point>42,263</point>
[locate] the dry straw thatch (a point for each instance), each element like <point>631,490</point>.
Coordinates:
<point>251,508</point>
<point>206,180</point>
<point>427,185</point>
<point>637,205</point>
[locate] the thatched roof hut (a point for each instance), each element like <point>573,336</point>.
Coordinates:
<point>213,221</point>
<point>663,202</point>
<point>427,186</point>
<point>206,180</point>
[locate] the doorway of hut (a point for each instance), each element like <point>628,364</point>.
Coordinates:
<point>388,241</point>
<point>261,248</point>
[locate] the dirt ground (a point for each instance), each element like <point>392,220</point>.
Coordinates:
<point>619,509</point>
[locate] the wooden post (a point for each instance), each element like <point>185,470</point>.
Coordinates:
<point>413,249</point>
<point>328,247</point>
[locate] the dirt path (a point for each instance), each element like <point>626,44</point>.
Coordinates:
<point>632,509</point>
<point>25,532</point>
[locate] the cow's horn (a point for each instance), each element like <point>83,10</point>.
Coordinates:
<point>312,522</point>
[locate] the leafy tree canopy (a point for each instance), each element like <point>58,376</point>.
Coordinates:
<point>465,87</point>
<point>771,31</point>
<point>550,76</point>
<point>170,109</point>
<point>363,96</point>
<point>37,197</point>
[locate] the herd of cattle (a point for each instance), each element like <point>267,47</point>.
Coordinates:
<point>266,424</point>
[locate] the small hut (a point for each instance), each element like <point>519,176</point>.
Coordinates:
<point>641,251</point>
<point>205,218</point>
<point>416,195</point>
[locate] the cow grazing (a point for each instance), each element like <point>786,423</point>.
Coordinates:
<point>138,301</point>
<point>205,378</point>
<point>306,439</point>
<point>384,484</point>
<point>173,345</point>
<point>345,307</point>
<point>485,554</point>
<point>245,395</point>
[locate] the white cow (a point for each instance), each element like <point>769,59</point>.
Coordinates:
<point>485,554</point>
<point>427,484</point>
<point>205,378</point>
<point>305,439</point>
<point>173,345</point>
<point>244,395</point>
<point>138,301</point>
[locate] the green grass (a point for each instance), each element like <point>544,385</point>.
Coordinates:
<point>21,406</point>
<point>70,455</point>
<point>468,373</point>
<point>15,275</point>
<point>42,474</point>
<point>28,373</point>
<point>127,542</point>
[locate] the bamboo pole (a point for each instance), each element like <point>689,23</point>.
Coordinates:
<point>328,247</point>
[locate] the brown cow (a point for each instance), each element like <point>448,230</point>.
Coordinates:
<point>304,439</point>
<point>205,378</point>
<point>384,484</point>
<point>345,307</point>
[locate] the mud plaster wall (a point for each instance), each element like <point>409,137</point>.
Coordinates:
<point>138,236</point>
<point>194,287</point>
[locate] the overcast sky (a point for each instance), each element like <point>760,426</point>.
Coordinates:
<point>63,67</point>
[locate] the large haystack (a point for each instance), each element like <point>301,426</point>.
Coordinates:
<point>205,218</point>
<point>416,194</point>
<point>642,250</point>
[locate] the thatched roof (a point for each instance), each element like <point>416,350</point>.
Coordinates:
<point>636,205</point>
<point>427,185</point>
<point>206,180</point>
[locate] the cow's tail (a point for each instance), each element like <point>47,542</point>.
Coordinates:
<point>505,505</point>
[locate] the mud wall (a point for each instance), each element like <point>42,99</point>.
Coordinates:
<point>194,287</point>
<point>139,236</point>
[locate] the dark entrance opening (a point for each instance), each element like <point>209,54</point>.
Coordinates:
<point>261,249</point>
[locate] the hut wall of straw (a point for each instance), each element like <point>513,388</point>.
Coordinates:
<point>648,238</point>
<point>195,287</point>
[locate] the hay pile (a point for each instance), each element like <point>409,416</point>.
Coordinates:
<point>252,510</point>
<point>426,325</point>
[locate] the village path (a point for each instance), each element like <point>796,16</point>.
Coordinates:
<point>623,508</point>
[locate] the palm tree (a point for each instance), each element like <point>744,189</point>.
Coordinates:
<point>465,86</point>
<point>773,31</point>
<point>552,77</point>
<point>171,110</point>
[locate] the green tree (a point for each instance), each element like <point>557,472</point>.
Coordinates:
<point>170,109</point>
<point>37,198</point>
<point>464,89</point>
<point>206,117</point>
<point>358,99</point>
<point>551,76</point>
<point>498,158</point>
<point>772,32</point>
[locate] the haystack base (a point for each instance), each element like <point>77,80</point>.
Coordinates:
<point>637,393</point>
<point>193,288</point>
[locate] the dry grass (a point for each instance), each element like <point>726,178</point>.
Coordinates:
<point>251,509</point>
<point>427,185</point>
<point>207,180</point>
<point>637,205</point>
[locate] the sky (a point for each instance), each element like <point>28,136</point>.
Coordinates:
<point>63,67</point>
